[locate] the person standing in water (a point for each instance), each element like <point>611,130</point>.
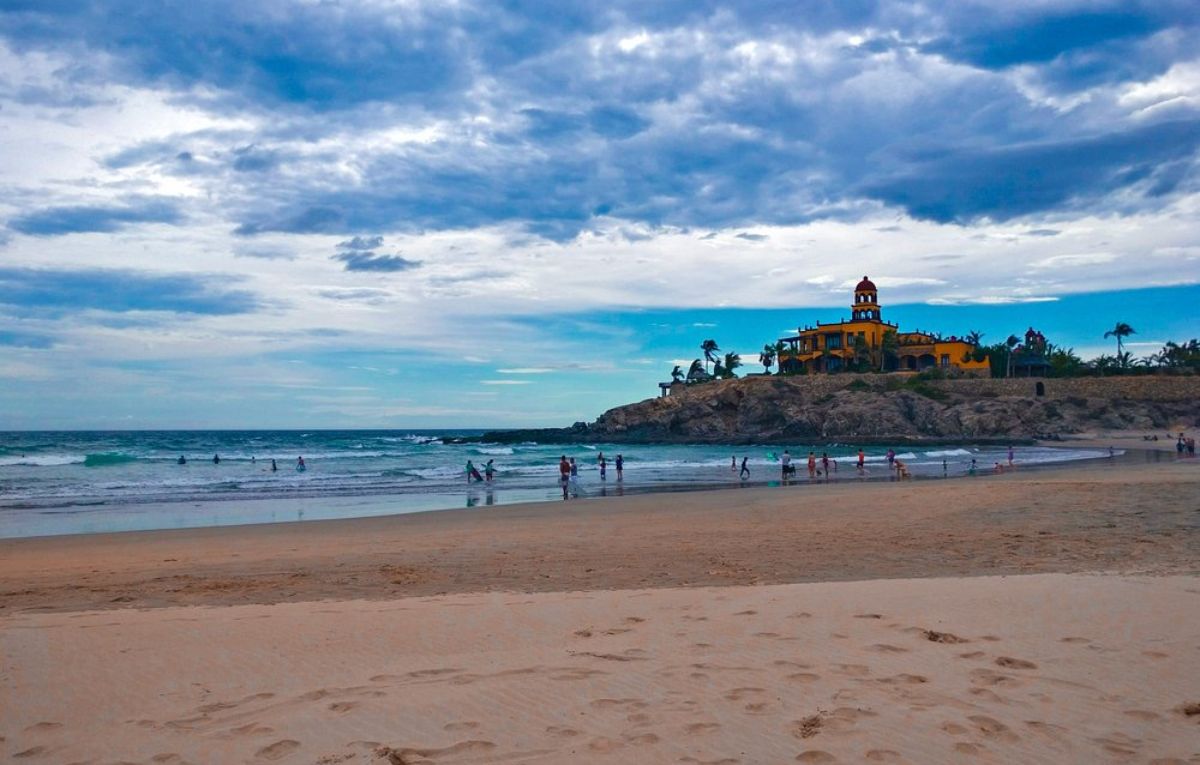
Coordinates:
<point>745,471</point>
<point>620,467</point>
<point>891,455</point>
<point>216,459</point>
<point>489,470</point>
<point>733,463</point>
<point>786,463</point>
<point>812,465</point>
<point>862,458</point>
<point>825,463</point>
<point>300,463</point>
<point>603,468</point>
<point>274,467</point>
<point>564,474</point>
<point>181,461</point>
<point>1010,455</point>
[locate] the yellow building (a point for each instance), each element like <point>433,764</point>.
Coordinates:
<point>867,342</point>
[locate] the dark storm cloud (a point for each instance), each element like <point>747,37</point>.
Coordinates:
<point>962,185</point>
<point>733,115</point>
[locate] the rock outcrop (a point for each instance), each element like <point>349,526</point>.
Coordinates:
<point>885,408</point>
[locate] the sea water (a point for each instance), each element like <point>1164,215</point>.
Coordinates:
<point>73,482</point>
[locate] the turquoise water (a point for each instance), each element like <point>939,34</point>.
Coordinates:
<point>68,482</point>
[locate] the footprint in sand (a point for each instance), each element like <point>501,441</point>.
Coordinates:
<point>641,739</point>
<point>561,732</point>
<point>604,745</point>
<point>722,761</point>
<point>1074,640</point>
<point>1141,714</point>
<point>816,756</point>
<point>954,729</point>
<point>904,679</point>
<point>342,706</point>
<point>963,747</point>
<point>401,756</point>
<point>737,694</point>
<point>278,750</point>
<point>934,636</point>
<point>988,677</point>
<point>746,613</point>
<point>802,677</point>
<point>882,755</point>
<point>885,648</point>
<point>868,616</point>
<point>854,670</point>
<point>634,620</point>
<point>33,751</point>
<point>1011,663</point>
<point>992,728</point>
<point>699,728</point>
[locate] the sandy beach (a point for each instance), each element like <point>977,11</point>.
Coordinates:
<point>1041,616</point>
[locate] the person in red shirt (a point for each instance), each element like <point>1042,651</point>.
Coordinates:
<point>564,474</point>
<point>862,457</point>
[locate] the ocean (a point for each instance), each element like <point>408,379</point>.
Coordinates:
<point>58,482</point>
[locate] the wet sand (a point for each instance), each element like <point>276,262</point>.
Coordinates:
<point>709,627</point>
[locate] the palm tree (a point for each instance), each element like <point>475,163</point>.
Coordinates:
<point>696,371</point>
<point>975,337</point>
<point>1121,330</point>
<point>710,352</point>
<point>767,358</point>
<point>1012,342</point>
<point>732,362</point>
<point>676,374</point>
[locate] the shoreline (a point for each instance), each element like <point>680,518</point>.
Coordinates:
<point>120,516</point>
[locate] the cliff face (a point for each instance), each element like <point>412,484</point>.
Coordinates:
<point>886,408</point>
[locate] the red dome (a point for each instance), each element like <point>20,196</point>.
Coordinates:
<point>866,285</point>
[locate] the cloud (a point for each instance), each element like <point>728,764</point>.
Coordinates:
<point>753,237</point>
<point>505,382</point>
<point>56,221</point>
<point>966,184</point>
<point>361,243</point>
<point>526,371</point>
<point>25,340</point>
<point>55,292</point>
<point>369,261</point>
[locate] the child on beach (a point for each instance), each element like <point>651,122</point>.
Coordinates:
<point>812,465</point>
<point>620,467</point>
<point>862,458</point>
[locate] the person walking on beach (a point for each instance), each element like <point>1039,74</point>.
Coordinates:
<point>603,469</point>
<point>620,467</point>
<point>891,457</point>
<point>489,470</point>
<point>786,463</point>
<point>1010,455</point>
<point>825,463</point>
<point>733,463</point>
<point>745,471</point>
<point>812,465</point>
<point>564,474</point>
<point>862,458</point>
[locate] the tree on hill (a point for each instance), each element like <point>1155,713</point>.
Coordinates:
<point>975,337</point>
<point>1121,330</point>
<point>889,346</point>
<point>732,362</point>
<point>1010,344</point>
<point>696,372</point>
<point>676,374</point>
<point>767,358</point>
<point>710,349</point>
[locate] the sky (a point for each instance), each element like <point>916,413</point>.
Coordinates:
<point>405,214</point>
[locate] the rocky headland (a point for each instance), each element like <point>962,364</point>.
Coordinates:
<point>887,408</point>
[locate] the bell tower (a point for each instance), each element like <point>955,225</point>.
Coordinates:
<point>866,301</point>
